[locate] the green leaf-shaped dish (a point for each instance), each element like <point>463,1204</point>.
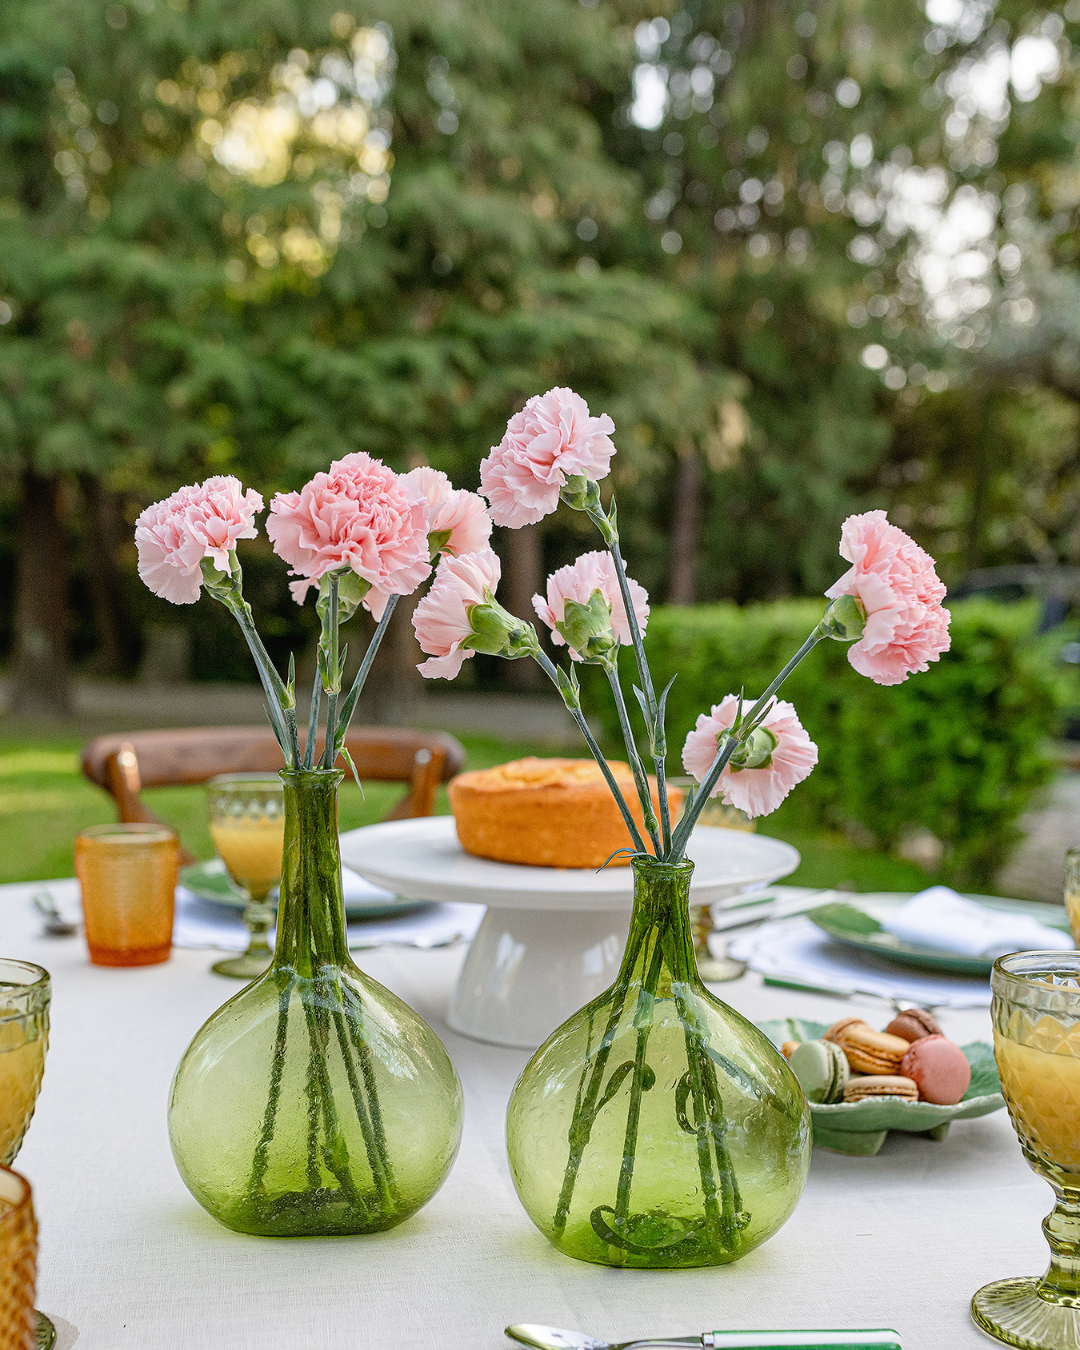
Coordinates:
<point>861,1127</point>
<point>857,922</point>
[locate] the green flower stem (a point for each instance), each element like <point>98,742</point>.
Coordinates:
<point>377,1160</point>
<point>585,1113</point>
<point>367,1070</point>
<point>313,721</point>
<point>637,1086</point>
<point>277,1066</point>
<point>731,744</point>
<point>665,808</point>
<point>331,673</point>
<point>610,533</point>
<point>349,704</point>
<point>277,695</point>
<point>640,778</point>
<point>335,1150</point>
<point>644,673</point>
<point>546,665</point>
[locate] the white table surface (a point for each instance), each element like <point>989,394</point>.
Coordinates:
<point>127,1258</point>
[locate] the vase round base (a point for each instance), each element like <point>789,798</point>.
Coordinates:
<point>246,967</point>
<point>1012,1312</point>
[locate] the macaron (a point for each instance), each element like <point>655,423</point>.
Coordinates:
<point>913,1024</point>
<point>881,1085</point>
<point>788,1047</point>
<point>822,1070</point>
<point>939,1068</point>
<point>868,1051</point>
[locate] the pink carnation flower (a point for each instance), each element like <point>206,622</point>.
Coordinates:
<point>755,791</point>
<point>360,515</point>
<point>552,438</point>
<point>441,620</point>
<point>174,536</point>
<point>906,624</point>
<point>463,513</point>
<point>591,572</point>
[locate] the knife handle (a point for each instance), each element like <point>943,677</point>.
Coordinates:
<point>879,1339</point>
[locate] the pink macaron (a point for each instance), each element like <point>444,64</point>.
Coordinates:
<point>940,1069</point>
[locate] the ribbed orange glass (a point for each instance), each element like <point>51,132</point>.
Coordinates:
<point>18,1263</point>
<point>128,878</point>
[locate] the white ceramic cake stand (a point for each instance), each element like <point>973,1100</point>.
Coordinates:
<point>552,937</point>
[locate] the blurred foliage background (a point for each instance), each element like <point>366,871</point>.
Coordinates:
<point>813,256</point>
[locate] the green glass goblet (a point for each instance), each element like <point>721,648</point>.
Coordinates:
<point>247,825</point>
<point>1036,1016</point>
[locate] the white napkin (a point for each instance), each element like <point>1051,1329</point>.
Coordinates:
<point>940,918</point>
<point>797,950</point>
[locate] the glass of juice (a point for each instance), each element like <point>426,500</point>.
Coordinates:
<point>24,1038</point>
<point>247,825</point>
<point>127,876</point>
<point>1072,891</point>
<point>1036,1016</point>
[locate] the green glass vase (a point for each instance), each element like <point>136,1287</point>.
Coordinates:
<point>314,1102</point>
<point>657,1127</point>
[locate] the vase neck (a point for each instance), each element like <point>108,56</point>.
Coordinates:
<point>660,934</point>
<point>311,911</point>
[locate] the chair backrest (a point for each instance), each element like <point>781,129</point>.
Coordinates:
<point>125,763</point>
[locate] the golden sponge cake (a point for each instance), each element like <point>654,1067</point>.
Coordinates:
<point>547,812</point>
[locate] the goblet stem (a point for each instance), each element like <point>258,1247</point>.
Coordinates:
<point>258,918</point>
<point>1061,1283</point>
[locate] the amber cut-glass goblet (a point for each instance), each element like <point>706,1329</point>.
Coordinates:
<point>18,1264</point>
<point>1036,1016</point>
<point>247,825</point>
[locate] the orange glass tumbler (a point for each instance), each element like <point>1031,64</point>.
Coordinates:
<point>127,874</point>
<point>18,1263</point>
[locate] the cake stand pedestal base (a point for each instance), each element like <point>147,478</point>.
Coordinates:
<point>529,969</point>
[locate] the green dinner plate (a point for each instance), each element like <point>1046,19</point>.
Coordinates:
<point>860,1127</point>
<point>857,922</point>
<point>210,881</point>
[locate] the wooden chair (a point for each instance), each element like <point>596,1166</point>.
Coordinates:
<point>126,763</point>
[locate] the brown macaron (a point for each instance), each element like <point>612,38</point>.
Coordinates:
<point>913,1024</point>
<point>880,1085</point>
<point>870,1051</point>
<point>788,1047</point>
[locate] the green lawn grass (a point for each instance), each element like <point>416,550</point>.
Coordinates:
<point>44,800</point>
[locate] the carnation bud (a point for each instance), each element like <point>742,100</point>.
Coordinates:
<point>496,632</point>
<point>351,590</point>
<point>844,619</point>
<point>756,751</point>
<point>587,628</point>
<point>437,541</point>
<point>218,583</point>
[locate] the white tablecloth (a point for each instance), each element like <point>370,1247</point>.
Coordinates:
<point>127,1257</point>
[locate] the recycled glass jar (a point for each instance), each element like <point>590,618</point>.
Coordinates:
<point>657,1127</point>
<point>314,1102</point>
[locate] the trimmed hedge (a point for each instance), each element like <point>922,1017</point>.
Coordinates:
<point>960,750</point>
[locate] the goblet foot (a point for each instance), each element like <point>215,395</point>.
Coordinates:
<point>1012,1312</point>
<point>246,967</point>
<point>717,969</point>
<point>45,1337</point>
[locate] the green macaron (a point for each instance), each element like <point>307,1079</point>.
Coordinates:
<point>822,1070</point>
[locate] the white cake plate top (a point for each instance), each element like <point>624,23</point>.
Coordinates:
<point>421,859</point>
